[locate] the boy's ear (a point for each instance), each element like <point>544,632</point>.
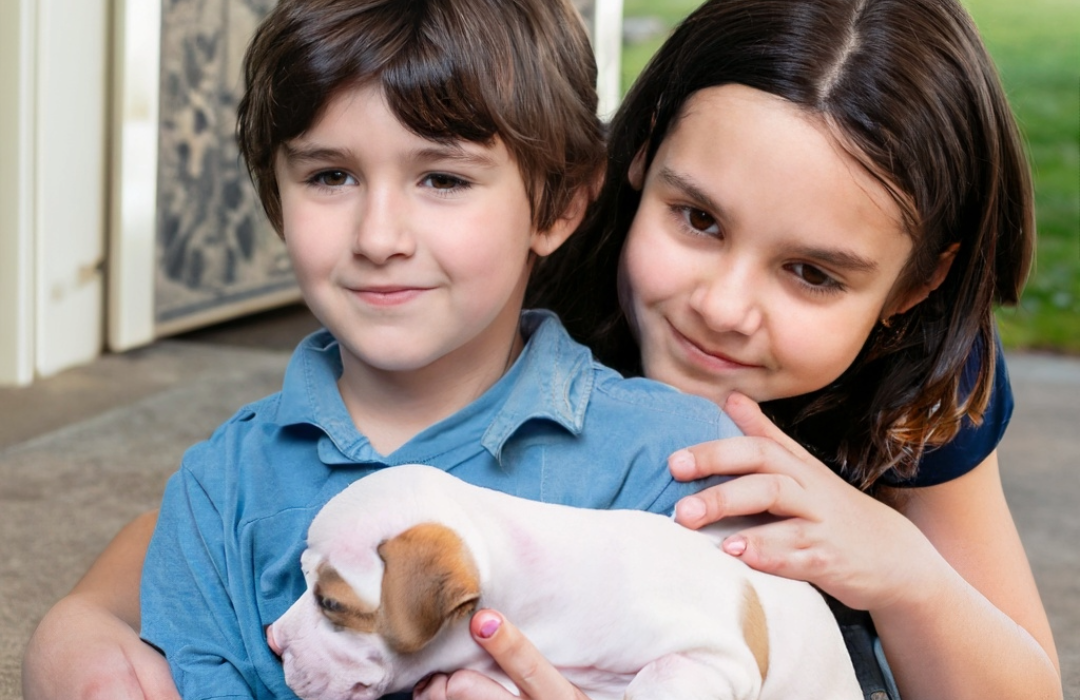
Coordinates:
<point>945,261</point>
<point>636,174</point>
<point>545,243</point>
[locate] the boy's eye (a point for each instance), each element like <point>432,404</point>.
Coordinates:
<point>332,178</point>
<point>442,181</point>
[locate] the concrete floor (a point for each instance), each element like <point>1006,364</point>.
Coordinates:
<point>83,452</point>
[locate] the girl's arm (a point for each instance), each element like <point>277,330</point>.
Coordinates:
<point>87,646</point>
<point>986,616</point>
<point>949,586</point>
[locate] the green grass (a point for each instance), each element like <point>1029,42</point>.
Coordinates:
<point>1036,46</point>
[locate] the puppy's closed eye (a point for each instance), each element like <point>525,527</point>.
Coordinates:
<point>339,604</point>
<point>329,605</point>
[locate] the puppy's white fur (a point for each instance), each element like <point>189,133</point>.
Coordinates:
<point>624,603</point>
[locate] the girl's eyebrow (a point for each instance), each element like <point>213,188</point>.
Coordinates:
<point>834,258</point>
<point>691,191</point>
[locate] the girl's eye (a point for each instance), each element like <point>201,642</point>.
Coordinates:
<point>332,178</point>
<point>814,277</point>
<point>699,221</point>
<point>444,182</point>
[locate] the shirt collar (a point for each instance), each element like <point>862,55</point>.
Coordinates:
<point>555,382</point>
<point>551,380</point>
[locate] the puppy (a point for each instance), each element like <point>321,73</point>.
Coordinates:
<point>626,604</point>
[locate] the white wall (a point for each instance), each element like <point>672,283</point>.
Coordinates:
<point>16,201</point>
<point>69,181</point>
<point>53,88</point>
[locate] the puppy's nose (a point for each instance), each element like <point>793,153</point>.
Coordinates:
<point>271,641</point>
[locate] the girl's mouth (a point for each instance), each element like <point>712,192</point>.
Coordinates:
<point>712,360</point>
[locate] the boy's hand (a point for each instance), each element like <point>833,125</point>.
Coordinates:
<point>519,659</point>
<point>81,651</point>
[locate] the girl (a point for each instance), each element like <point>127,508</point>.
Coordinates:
<point>795,215</point>
<point>815,205</point>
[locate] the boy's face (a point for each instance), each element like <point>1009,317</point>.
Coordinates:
<point>415,254</point>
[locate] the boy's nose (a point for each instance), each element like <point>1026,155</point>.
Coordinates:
<point>381,230</point>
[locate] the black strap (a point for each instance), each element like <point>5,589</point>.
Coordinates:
<point>858,629</point>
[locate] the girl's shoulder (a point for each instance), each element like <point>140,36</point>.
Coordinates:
<point>974,443</point>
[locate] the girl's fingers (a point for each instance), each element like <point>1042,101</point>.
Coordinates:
<point>461,685</point>
<point>431,688</point>
<point>733,457</point>
<point>520,660</point>
<point>746,414</point>
<point>785,548</point>
<point>752,494</point>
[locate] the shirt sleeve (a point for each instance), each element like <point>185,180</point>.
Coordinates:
<point>973,443</point>
<point>187,612</point>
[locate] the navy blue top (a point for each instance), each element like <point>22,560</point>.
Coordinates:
<point>973,443</point>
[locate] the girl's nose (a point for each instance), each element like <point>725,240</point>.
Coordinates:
<point>727,302</point>
<point>381,229</point>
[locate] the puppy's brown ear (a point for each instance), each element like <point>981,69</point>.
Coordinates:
<point>429,578</point>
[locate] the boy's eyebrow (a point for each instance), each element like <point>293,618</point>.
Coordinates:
<point>834,258</point>
<point>295,153</point>
<point>302,154</point>
<point>454,152</point>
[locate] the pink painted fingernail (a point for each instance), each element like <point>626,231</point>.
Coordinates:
<point>489,627</point>
<point>735,545</point>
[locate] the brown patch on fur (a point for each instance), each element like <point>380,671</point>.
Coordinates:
<point>339,603</point>
<point>754,629</point>
<point>430,578</point>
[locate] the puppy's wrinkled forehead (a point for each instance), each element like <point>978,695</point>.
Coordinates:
<point>340,602</point>
<point>354,560</point>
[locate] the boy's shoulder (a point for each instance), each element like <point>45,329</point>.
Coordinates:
<point>610,398</point>
<point>256,426</point>
<point>236,433</point>
<point>654,407</point>
<point>650,395</point>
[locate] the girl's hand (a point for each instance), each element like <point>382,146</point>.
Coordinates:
<point>519,659</point>
<point>81,650</point>
<point>830,533</point>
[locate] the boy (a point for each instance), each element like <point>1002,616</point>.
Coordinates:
<point>416,158</point>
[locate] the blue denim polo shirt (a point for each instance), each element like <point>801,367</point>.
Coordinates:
<point>224,561</point>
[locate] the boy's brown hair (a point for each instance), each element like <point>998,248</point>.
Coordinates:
<point>475,70</point>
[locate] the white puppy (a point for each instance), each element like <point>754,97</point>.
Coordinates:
<point>626,604</point>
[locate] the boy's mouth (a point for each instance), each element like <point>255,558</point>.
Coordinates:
<point>389,295</point>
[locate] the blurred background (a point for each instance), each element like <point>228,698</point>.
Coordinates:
<point>126,217</point>
<point>1036,45</point>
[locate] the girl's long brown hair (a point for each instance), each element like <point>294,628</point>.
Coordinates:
<point>908,86</point>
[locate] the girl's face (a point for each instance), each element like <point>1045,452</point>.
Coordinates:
<point>761,255</point>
